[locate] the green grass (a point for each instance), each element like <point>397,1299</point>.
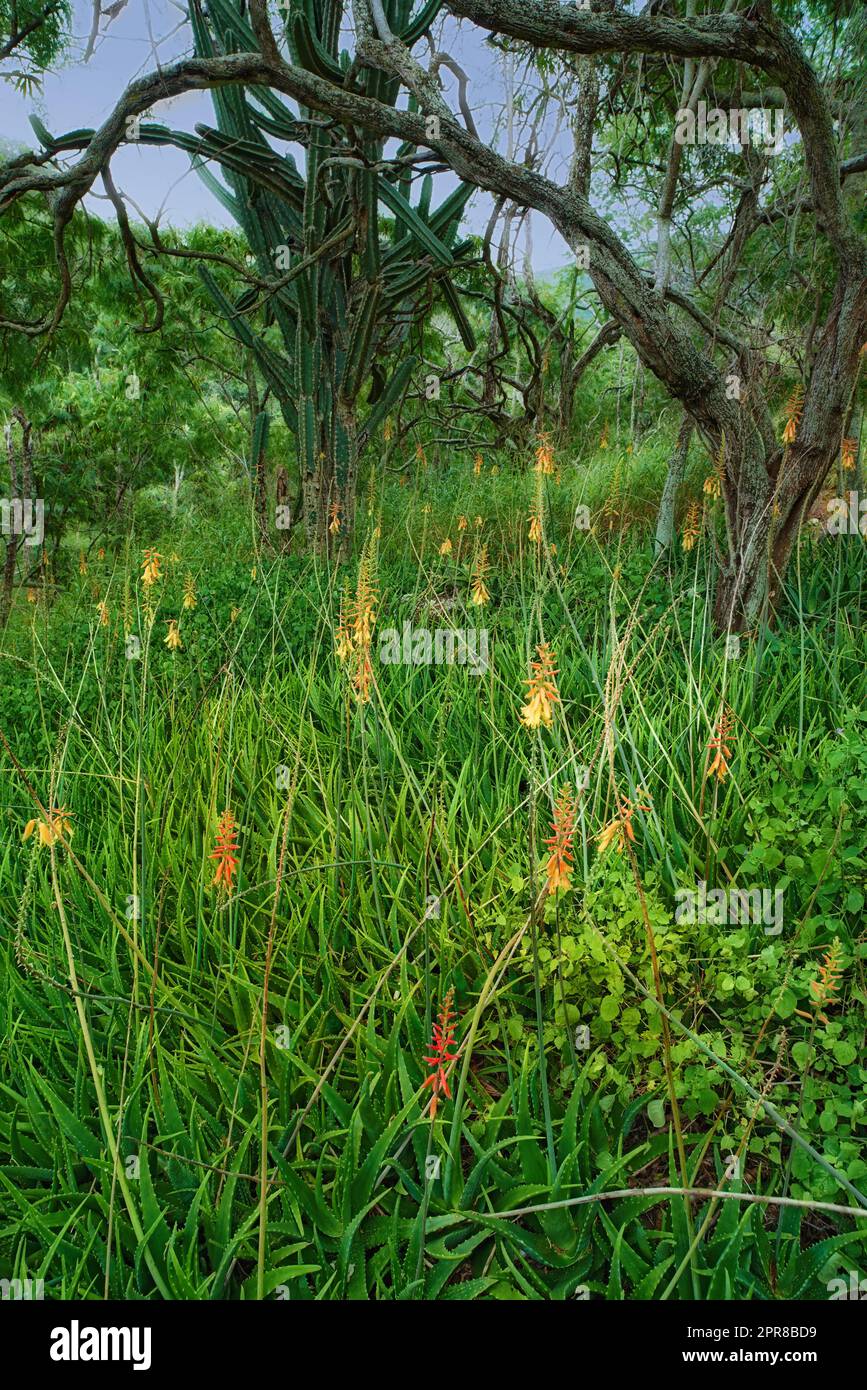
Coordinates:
<point>385,857</point>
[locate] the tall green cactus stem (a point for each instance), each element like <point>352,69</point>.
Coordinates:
<point>343,295</point>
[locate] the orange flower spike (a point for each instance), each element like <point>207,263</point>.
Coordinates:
<point>225,852</point>
<point>559,866</point>
<point>544,455</point>
<point>794,411</point>
<point>620,831</point>
<point>720,746</point>
<point>441,1057</point>
<point>824,989</point>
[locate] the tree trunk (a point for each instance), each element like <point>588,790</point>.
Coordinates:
<point>673,480</point>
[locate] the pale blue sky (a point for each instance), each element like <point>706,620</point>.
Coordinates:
<point>137,41</point>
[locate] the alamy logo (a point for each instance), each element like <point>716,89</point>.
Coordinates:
<point>76,1343</point>
<point>418,646</point>
<point>23,518</point>
<point>733,908</point>
<point>738,126</point>
<point>855,1288</point>
<point>847,516</point>
<point>16,1289</point>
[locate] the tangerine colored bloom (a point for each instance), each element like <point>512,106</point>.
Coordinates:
<point>794,411</point>
<point>720,746</point>
<point>32,595</point>
<point>442,1057</point>
<point>57,825</point>
<point>189,600</point>
<point>446,547</point>
<point>848,450</point>
<point>477,464</point>
<point>224,851</point>
<point>542,692</point>
<point>362,676</point>
<point>544,455</point>
<point>559,867</point>
<point>535,527</point>
<point>824,989</point>
<point>462,523</point>
<point>619,830</point>
<point>334,526</point>
<point>173,637</point>
<point>102,610</point>
<point>151,568</point>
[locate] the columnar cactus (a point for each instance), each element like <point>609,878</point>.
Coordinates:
<point>345,294</point>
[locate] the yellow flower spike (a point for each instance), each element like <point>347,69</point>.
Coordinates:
<point>151,571</point>
<point>54,829</point>
<point>479,594</point>
<point>542,693</point>
<point>189,599</point>
<point>691,527</point>
<point>446,547</point>
<point>711,486</point>
<point>173,638</point>
<point>794,411</point>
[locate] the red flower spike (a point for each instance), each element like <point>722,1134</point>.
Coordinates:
<point>442,1056</point>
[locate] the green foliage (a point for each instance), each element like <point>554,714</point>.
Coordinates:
<point>386,804</point>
